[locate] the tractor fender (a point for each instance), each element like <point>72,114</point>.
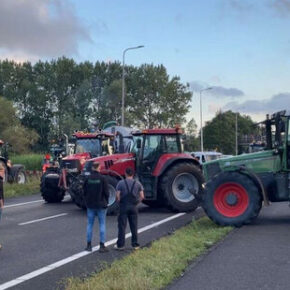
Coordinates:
<point>163,166</point>
<point>244,170</point>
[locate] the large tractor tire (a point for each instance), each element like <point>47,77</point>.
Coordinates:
<point>232,199</point>
<point>50,191</point>
<point>77,193</point>
<point>17,175</point>
<point>180,186</point>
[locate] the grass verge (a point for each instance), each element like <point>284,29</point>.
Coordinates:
<point>13,189</point>
<point>155,267</point>
<point>30,161</point>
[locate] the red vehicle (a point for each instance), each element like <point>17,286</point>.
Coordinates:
<point>58,177</point>
<point>170,177</point>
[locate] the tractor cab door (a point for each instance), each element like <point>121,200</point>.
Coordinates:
<point>153,148</point>
<point>146,160</point>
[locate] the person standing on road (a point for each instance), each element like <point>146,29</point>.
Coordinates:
<point>2,173</point>
<point>96,194</point>
<point>129,194</point>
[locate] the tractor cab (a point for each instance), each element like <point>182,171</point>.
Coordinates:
<point>97,144</point>
<point>150,145</point>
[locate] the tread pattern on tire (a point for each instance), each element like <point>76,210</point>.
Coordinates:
<point>50,195</point>
<point>254,196</point>
<point>166,186</point>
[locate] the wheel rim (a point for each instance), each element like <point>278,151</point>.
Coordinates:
<point>21,178</point>
<point>183,185</point>
<point>112,195</point>
<point>231,199</point>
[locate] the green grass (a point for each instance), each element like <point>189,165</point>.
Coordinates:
<point>30,161</point>
<point>13,190</point>
<point>155,267</point>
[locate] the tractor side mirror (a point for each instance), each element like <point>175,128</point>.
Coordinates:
<point>139,143</point>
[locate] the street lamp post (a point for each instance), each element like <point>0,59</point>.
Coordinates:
<point>200,108</point>
<point>123,81</point>
<point>236,133</point>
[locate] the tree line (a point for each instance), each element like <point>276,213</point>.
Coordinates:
<point>60,96</point>
<point>42,101</point>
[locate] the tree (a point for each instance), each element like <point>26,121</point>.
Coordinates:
<point>220,132</point>
<point>191,142</point>
<point>12,131</point>
<point>155,100</point>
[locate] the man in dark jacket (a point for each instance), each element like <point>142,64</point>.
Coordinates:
<point>2,173</point>
<point>96,194</point>
<point>130,193</point>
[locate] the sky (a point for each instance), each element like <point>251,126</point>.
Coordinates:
<point>240,48</point>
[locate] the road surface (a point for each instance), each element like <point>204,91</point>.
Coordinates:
<point>43,243</point>
<point>253,257</point>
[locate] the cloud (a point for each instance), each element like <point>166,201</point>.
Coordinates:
<point>240,6</point>
<point>276,103</point>
<point>282,7</point>
<point>216,91</point>
<point>46,28</point>
<point>219,91</point>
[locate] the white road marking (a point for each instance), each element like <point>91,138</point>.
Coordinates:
<point>79,255</point>
<point>30,202</point>
<point>42,219</point>
<point>23,203</point>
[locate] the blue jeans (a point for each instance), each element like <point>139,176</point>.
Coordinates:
<point>101,214</point>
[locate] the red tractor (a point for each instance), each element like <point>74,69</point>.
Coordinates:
<point>170,177</point>
<point>57,177</point>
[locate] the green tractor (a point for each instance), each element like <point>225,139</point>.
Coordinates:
<point>237,186</point>
<point>13,173</point>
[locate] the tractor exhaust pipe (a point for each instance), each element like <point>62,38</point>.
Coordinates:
<point>66,144</point>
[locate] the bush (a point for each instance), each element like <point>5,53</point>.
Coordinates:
<point>30,161</point>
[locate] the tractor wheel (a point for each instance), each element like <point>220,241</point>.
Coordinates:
<point>76,192</point>
<point>20,176</point>
<point>50,191</point>
<point>5,177</point>
<point>232,199</point>
<point>180,185</point>
<point>113,206</point>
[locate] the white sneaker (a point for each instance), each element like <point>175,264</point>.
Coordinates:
<point>119,248</point>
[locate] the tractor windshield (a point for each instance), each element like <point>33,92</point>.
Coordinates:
<point>92,146</point>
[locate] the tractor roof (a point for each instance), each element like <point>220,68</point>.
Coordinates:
<point>171,131</point>
<point>86,135</point>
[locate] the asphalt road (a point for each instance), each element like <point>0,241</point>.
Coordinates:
<point>253,257</point>
<point>35,235</point>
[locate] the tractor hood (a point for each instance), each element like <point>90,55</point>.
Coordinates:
<point>115,164</point>
<point>259,162</point>
<point>78,156</point>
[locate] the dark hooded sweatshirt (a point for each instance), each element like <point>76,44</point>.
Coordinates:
<point>96,191</point>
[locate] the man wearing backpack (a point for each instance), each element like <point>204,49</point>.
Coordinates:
<point>129,193</point>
